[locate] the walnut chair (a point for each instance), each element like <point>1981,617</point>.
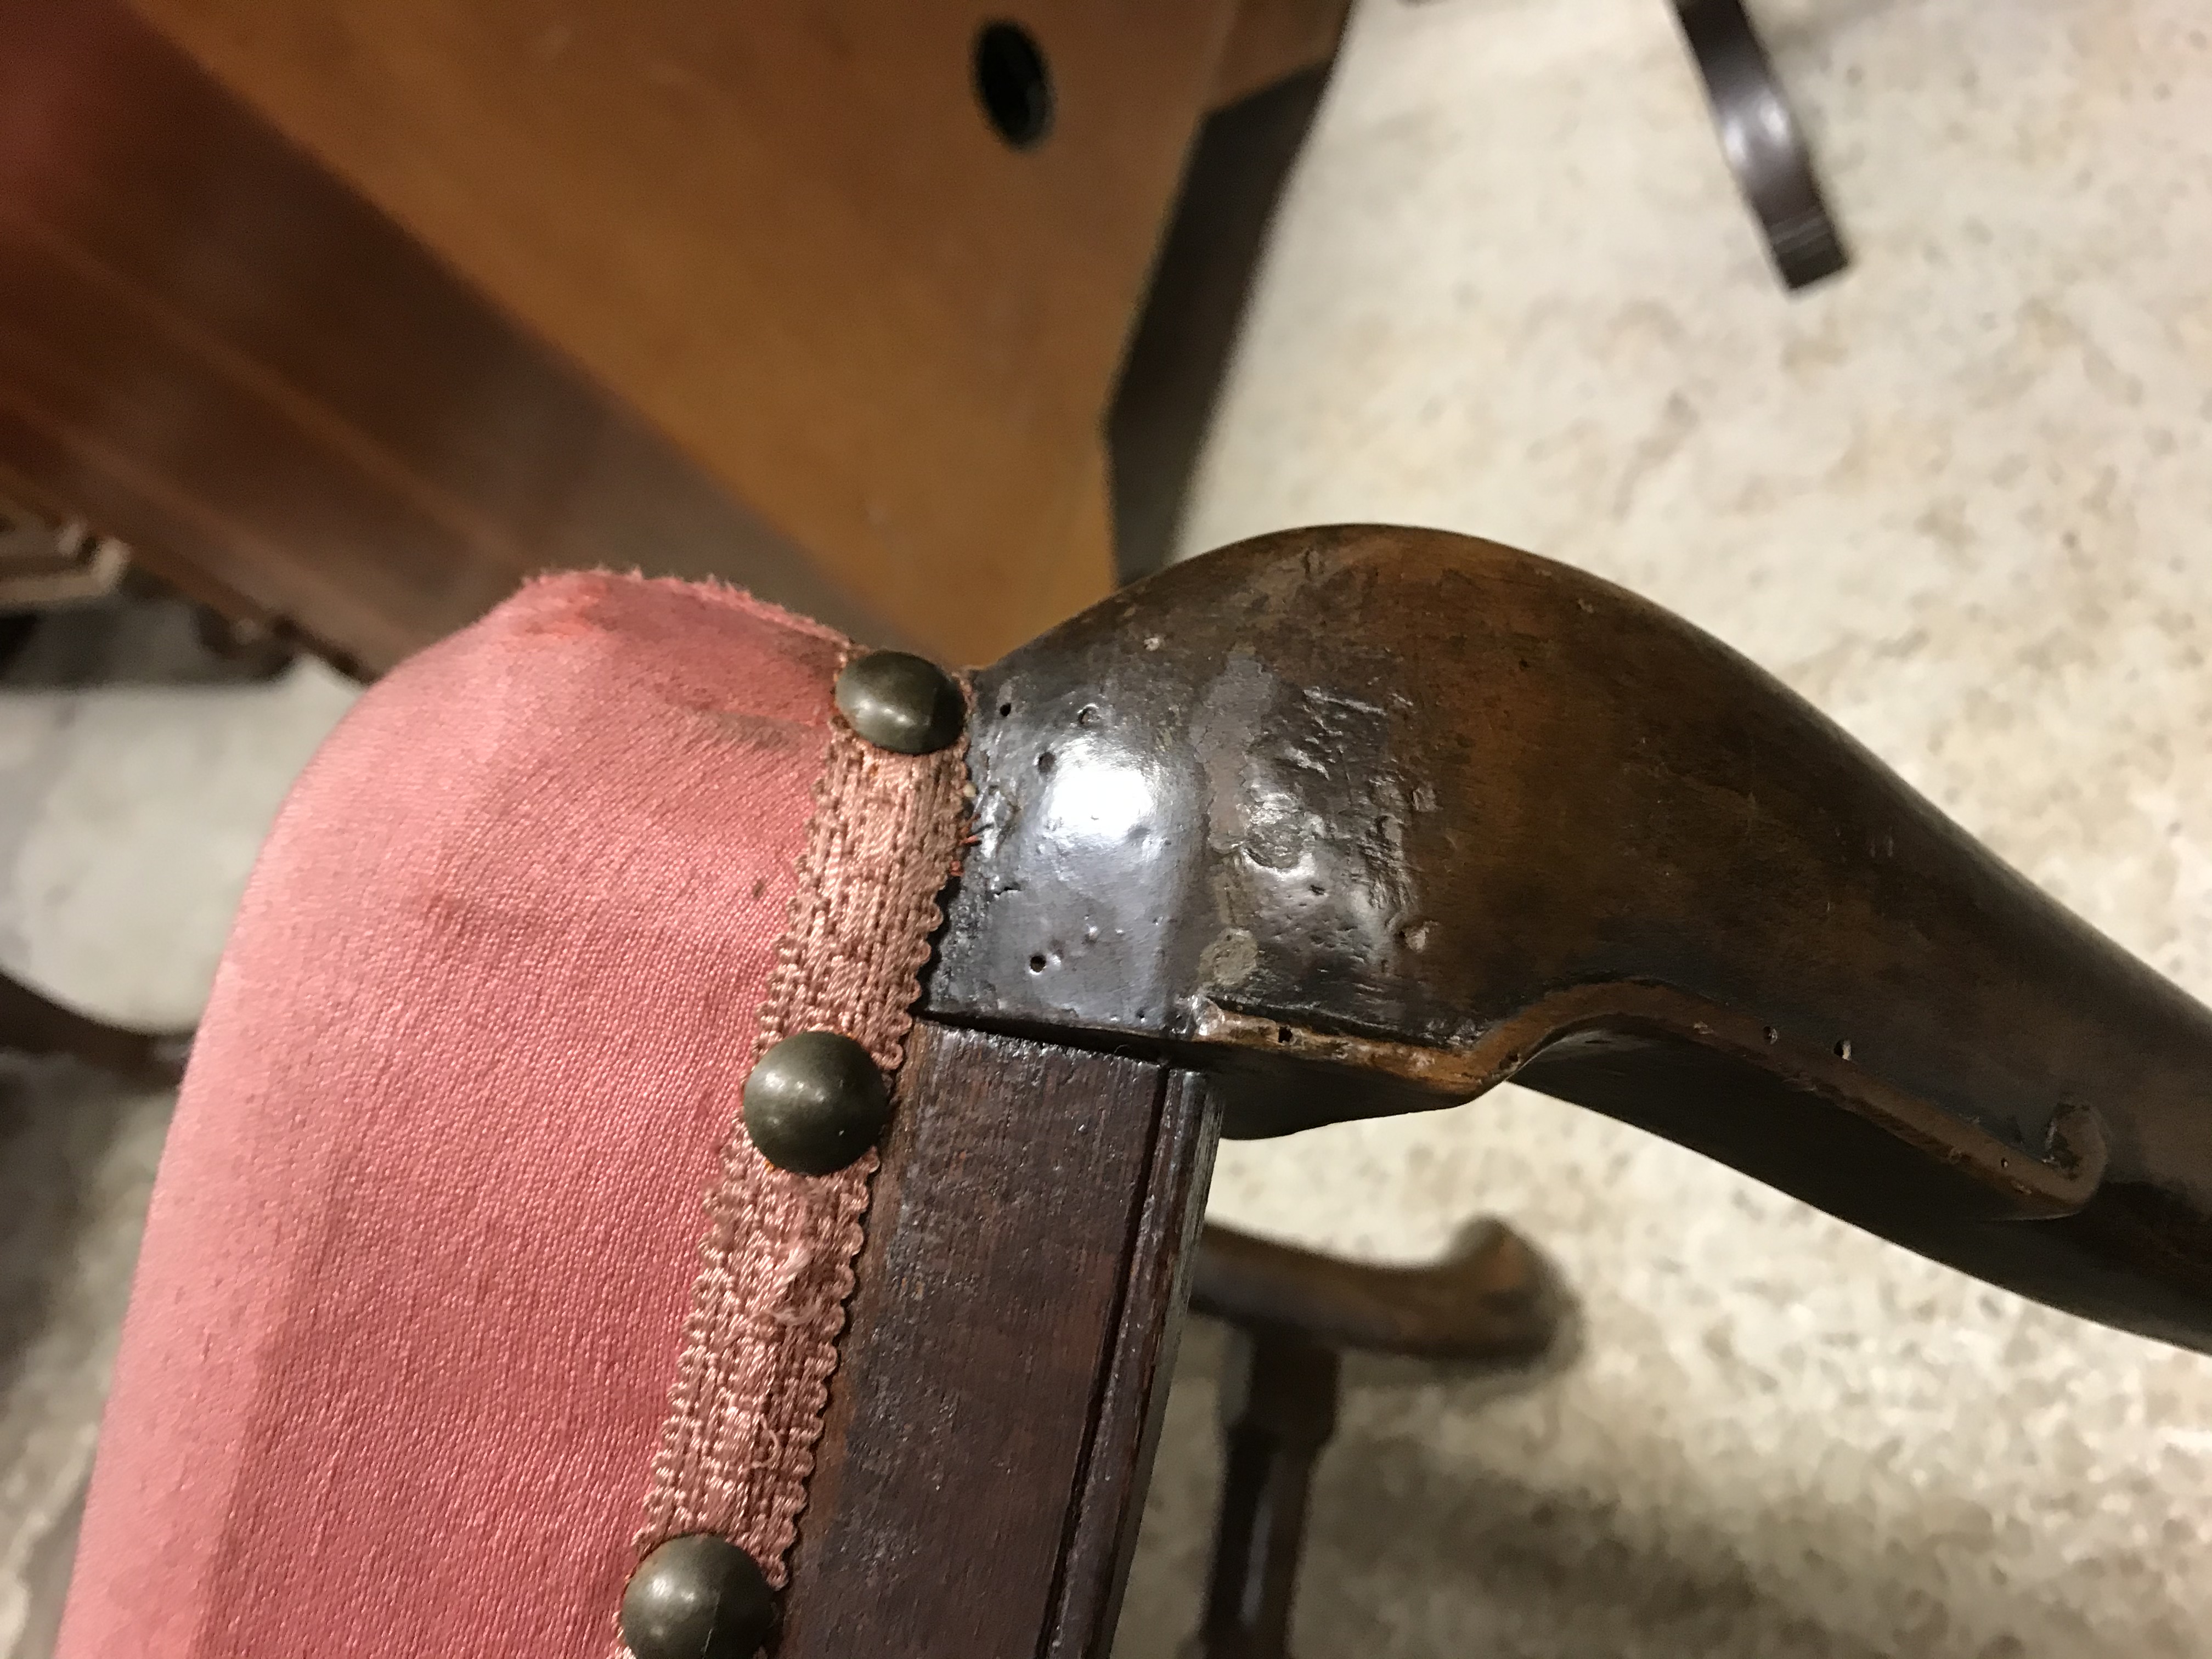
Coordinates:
<point>700,1137</point>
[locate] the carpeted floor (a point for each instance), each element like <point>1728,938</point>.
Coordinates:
<point>1960,497</point>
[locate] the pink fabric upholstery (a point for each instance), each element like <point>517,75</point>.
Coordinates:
<point>768,1303</point>
<point>417,1278</point>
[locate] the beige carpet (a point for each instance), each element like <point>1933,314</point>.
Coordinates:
<point>1962,497</point>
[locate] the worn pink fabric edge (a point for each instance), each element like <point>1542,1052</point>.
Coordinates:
<point>760,1343</point>
<point>806,709</point>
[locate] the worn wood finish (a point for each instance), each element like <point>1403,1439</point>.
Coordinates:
<point>790,238</point>
<point>983,1461</point>
<point>1491,1298</point>
<point>287,407</point>
<point>1494,817</point>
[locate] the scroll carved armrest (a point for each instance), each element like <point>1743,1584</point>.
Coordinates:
<point>1366,820</point>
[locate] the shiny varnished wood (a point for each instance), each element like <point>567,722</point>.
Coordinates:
<point>1363,820</point>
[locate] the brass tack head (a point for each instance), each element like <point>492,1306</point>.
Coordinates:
<point>902,702</point>
<point>697,1597</point>
<point>814,1102</point>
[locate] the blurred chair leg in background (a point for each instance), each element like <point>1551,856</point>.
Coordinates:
<point>1765,146</point>
<point>1493,1304</point>
<point>32,1023</point>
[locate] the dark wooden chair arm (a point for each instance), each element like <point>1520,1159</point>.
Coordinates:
<point>1364,820</point>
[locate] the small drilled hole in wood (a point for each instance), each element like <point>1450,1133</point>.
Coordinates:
<point>1036,965</point>
<point>1013,84</point>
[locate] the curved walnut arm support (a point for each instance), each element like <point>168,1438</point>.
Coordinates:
<point>1365,820</point>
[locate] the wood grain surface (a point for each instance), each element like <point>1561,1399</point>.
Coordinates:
<point>1162,1260</point>
<point>981,1469</point>
<point>789,237</point>
<point>211,349</point>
